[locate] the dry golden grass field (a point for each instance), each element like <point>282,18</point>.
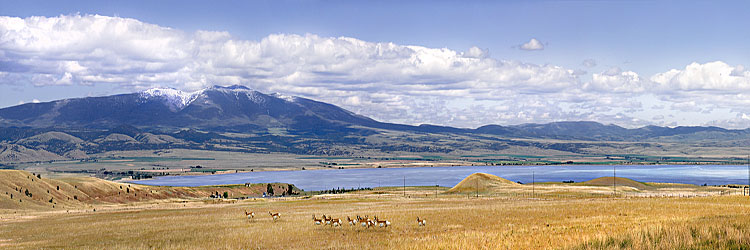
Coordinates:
<point>454,221</point>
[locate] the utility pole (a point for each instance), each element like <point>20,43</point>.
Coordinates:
<point>614,180</point>
<point>476,184</point>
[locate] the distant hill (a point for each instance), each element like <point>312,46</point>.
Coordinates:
<point>619,181</point>
<point>482,182</point>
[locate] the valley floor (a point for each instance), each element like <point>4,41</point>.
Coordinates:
<point>453,222</point>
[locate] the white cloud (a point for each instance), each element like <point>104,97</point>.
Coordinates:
<point>476,52</point>
<point>712,76</point>
<point>705,87</point>
<point>532,44</point>
<point>616,80</point>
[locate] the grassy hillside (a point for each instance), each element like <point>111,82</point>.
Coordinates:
<point>482,182</point>
<point>618,181</point>
<point>29,191</point>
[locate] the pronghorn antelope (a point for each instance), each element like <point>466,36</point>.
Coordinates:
<point>422,222</point>
<point>275,216</point>
<point>317,221</point>
<point>364,222</point>
<point>350,221</point>
<point>336,222</point>
<point>382,223</point>
<point>250,215</point>
<point>327,220</point>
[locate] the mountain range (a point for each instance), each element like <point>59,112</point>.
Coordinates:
<point>158,118</point>
<point>238,108</point>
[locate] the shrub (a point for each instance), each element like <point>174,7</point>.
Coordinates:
<point>269,189</point>
<point>226,194</point>
<point>289,190</point>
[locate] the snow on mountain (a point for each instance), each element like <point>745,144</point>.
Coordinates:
<point>175,99</point>
<point>178,100</point>
<point>287,98</point>
<point>238,90</point>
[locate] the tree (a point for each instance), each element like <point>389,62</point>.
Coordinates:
<point>269,189</point>
<point>289,189</point>
<point>226,194</point>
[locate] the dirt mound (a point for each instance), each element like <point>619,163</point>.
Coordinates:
<point>609,181</point>
<point>483,182</point>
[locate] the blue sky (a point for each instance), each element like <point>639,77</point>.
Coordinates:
<point>625,43</point>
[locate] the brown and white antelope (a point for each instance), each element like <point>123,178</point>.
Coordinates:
<point>275,216</point>
<point>317,221</point>
<point>336,222</point>
<point>382,223</point>
<point>364,222</point>
<point>350,221</point>
<point>421,222</point>
<point>250,215</point>
<point>327,220</point>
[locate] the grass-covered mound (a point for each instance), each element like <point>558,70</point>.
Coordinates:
<point>608,181</point>
<point>481,181</point>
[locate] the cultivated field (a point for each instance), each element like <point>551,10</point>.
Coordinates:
<point>453,222</point>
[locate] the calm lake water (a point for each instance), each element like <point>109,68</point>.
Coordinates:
<point>450,176</point>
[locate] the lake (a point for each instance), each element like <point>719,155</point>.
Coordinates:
<point>311,180</point>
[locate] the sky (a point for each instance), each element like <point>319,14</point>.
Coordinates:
<point>455,63</point>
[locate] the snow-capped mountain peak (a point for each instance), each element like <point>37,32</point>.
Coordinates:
<point>175,99</point>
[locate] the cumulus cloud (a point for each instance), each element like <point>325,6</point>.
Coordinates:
<point>705,87</point>
<point>616,80</point>
<point>712,76</point>
<point>532,44</point>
